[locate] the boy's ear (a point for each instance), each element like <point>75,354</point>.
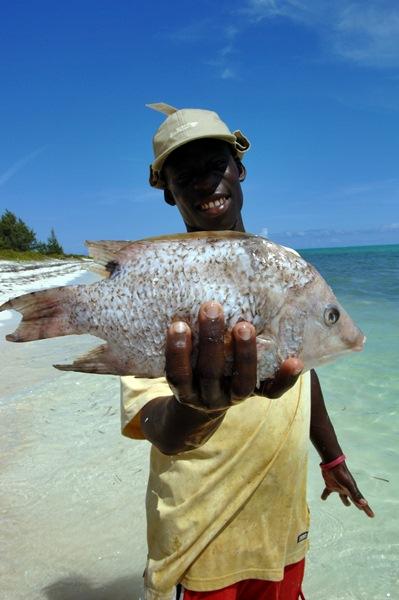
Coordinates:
<point>168,196</point>
<point>242,172</point>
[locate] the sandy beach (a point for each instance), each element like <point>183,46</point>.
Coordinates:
<point>72,494</point>
<point>73,489</point>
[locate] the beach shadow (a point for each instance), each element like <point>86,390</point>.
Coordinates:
<point>79,588</point>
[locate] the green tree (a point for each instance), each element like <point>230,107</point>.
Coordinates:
<point>15,234</point>
<point>41,247</point>
<point>53,246</point>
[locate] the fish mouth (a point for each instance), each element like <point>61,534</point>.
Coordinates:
<point>353,347</point>
<point>215,205</point>
<point>358,347</point>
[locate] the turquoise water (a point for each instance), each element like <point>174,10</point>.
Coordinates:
<point>352,556</point>
<point>366,281</point>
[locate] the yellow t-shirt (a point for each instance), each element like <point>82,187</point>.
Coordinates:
<point>233,509</point>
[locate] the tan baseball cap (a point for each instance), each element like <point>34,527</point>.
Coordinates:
<point>186,125</point>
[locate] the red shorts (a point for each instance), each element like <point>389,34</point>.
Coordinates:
<point>288,588</point>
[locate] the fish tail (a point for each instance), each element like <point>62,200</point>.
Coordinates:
<point>45,314</point>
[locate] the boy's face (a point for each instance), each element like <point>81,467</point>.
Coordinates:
<point>203,180</point>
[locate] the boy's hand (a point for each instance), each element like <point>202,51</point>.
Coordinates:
<point>285,378</point>
<point>340,480</point>
<point>205,387</point>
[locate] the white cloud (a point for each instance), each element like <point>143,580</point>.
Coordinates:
<point>19,164</point>
<point>228,73</point>
<point>231,32</point>
<point>366,33</point>
<point>264,9</point>
<point>122,196</point>
<point>318,238</point>
<point>193,32</point>
<point>265,232</point>
<point>224,60</point>
<point>228,49</point>
<point>390,185</point>
<point>204,30</point>
<point>384,188</point>
<point>391,227</point>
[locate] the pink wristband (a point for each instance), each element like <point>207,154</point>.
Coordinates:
<point>333,463</point>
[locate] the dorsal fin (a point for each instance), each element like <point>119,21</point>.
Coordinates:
<point>224,235</point>
<point>108,254</point>
<point>105,254</point>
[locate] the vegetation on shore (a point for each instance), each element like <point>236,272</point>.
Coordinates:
<point>19,242</point>
<point>29,255</point>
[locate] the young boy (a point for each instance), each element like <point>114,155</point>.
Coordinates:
<point>227,517</point>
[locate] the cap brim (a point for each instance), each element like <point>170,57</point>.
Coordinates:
<point>159,162</point>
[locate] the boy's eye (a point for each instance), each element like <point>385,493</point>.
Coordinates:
<point>183,179</point>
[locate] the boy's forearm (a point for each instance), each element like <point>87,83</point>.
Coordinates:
<point>174,427</point>
<point>322,432</point>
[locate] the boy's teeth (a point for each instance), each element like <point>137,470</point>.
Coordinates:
<point>212,204</point>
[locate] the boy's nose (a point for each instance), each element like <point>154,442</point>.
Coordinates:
<point>206,182</point>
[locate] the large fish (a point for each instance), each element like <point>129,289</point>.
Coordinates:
<point>155,281</point>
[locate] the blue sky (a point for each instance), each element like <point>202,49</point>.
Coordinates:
<point>313,84</point>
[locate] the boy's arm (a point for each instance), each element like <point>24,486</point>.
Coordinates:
<point>322,432</point>
<point>174,428</point>
<point>338,479</point>
<point>201,396</point>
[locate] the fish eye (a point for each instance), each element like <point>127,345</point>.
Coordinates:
<point>331,315</point>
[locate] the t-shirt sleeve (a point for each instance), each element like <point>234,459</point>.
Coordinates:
<point>135,393</point>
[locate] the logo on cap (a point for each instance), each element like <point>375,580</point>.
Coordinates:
<point>186,126</point>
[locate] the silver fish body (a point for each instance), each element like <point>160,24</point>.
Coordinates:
<point>158,280</point>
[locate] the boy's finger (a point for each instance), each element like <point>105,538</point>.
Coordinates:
<point>345,500</point>
<point>325,494</point>
<point>245,364</point>
<point>285,378</point>
<point>210,365</point>
<point>178,359</point>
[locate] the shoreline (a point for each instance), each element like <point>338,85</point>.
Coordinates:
<point>28,274</point>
